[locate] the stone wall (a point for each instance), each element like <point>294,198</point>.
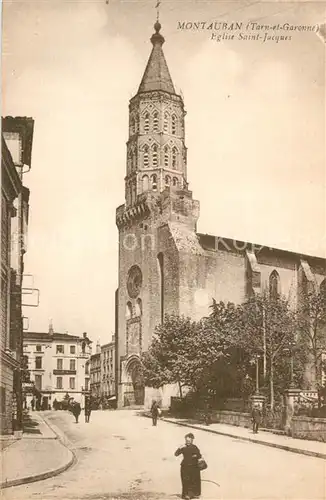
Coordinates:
<point>236,418</point>
<point>309,428</point>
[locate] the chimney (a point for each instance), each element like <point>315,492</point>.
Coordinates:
<point>51,331</point>
<point>98,347</point>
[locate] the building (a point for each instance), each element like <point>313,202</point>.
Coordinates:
<point>108,369</point>
<point>17,139</point>
<point>165,266</point>
<point>58,365</point>
<point>95,373</point>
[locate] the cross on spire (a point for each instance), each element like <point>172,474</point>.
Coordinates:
<point>157,7</point>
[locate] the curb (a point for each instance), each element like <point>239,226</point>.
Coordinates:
<point>308,453</point>
<point>43,475</point>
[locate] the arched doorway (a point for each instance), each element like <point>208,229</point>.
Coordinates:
<point>136,390</point>
<point>138,384</point>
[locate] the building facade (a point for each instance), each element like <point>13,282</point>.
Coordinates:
<point>95,373</point>
<point>108,369</point>
<point>16,151</point>
<point>165,265</point>
<point>57,363</point>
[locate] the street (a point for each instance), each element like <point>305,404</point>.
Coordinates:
<point>121,456</point>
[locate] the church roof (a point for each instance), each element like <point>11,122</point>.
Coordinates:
<point>157,75</point>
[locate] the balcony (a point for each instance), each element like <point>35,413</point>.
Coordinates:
<point>64,372</point>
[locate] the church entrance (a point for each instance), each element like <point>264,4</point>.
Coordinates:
<point>135,388</point>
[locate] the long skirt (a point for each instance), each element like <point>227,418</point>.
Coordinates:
<point>190,478</point>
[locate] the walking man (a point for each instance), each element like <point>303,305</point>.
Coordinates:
<point>154,412</point>
<point>88,409</point>
<point>256,418</point>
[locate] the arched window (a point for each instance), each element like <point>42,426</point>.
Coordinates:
<point>155,122</point>
<point>128,310</point>
<point>167,181</point>
<point>134,159</point>
<point>154,156</point>
<point>129,193</point>
<point>145,182</point>
<point>138,307</point>
<point>146,123</point>
<point>134,192</point>
<point>174,158</point>
<point>132,125</point>
<point>160,262</point>
<point>166,122</point>
<point>154,182</point>
<point>175,181</point>
<point>274,285</point>
<point>129,161</point>
<point>146,156</point>
<point>166,157</point>
<point>174,125</point>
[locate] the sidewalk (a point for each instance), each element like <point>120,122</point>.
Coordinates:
<point>38,454</point>
<point>302,446</point>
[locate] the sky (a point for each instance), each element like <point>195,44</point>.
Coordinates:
<point>255,132</point>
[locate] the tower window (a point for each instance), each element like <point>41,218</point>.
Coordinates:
<point>175,181</point>
<point>129,310</point>
<point>166,157</point>
<point>145,182</point>
<point>138,307</point>
<point>134,192</point>
<point>146,123</point>
<point>174,158</point>
<point>155,122</point>
<point>274,282</point>
<point>166,122</point>
<point>154,182</point>
<point>134,159</point>
<point>132,125</point>
<point>146,157</point>
<point>174,125</point>
<point>167,181</point>
<point>129,162</point>
<point>154,156</point>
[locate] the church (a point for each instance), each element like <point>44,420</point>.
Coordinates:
<point>165,265</point>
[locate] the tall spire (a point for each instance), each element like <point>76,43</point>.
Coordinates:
<point>157,75</point>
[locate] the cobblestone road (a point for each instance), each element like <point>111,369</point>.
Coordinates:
<point>121,456</point>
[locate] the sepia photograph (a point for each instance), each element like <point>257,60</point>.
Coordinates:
<point>163,250</point>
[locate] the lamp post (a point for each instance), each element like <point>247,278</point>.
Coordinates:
<point>257,373</point>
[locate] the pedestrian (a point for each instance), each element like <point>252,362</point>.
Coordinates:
<point>88,409</point>
<point>33,404</point>
<point>76,410</point>
<point>154,412</point>
<point>190,472</point>
<point>256,418</point>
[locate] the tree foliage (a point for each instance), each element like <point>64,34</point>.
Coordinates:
<point>312,327</point>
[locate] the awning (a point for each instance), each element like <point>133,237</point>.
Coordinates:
<point>112,398</point>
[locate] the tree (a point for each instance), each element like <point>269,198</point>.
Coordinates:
<point>171,353</point>
<point>312,327</point>
<point>232,375</point>
<point>268,328</point>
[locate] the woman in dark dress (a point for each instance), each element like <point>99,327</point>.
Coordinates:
<point>190,473</point>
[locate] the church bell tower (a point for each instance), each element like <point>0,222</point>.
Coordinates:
<point>156,151</point>
<point>158,215</point>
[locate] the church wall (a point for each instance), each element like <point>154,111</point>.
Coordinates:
<point>219,275</point>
